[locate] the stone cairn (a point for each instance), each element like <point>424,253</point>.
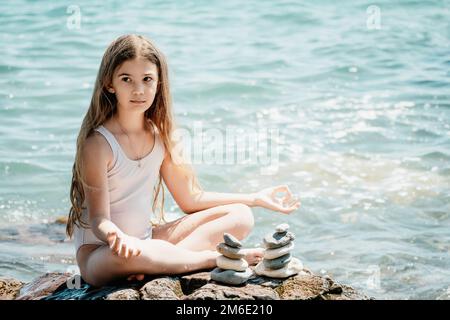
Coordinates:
<point>231,267</point>
<point>278,261</point>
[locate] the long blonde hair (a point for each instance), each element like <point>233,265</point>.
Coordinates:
<point>103,106</point>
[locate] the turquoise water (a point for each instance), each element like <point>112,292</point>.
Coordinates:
<point>362,115</point>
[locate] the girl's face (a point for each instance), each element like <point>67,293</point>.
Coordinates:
<point>134,84</point>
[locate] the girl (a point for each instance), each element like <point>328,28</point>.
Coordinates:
<point>124,152</point>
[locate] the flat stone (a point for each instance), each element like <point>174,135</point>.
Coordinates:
<point>231,240</point>
<point>277,240</point>
<point>231,264</point>
<point>294,267</point>
<point>278,252</point>
<point>215,291</point>
<point>230,276</point>
<point>230,252</point>
<point>277,263</point>
<point>282,228</point>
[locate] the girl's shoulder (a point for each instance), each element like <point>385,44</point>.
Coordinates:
<point>96,146</point>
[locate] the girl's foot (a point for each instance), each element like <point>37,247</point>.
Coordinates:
<point>138,277</point>
<point>253,255</point>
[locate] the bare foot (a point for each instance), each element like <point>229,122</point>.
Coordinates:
<point>253,255</point>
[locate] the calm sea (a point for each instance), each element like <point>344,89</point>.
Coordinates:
<point>354,96</point>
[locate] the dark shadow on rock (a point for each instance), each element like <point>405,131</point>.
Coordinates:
<point>85,291</point>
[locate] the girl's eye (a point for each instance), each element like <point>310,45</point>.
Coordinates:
<point>126,79</point>
<point>148,79</point>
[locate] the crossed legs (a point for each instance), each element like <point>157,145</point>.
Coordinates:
<point>184,245</point>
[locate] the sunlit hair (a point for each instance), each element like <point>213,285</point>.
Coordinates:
<point>103,106</point>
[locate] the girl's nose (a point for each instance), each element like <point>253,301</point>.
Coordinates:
<point>138,89</point>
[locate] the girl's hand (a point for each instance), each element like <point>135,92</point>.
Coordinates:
<point>123,245</point>
<point>266,198</point>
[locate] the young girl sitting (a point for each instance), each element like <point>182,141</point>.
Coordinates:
<point>124,152</point>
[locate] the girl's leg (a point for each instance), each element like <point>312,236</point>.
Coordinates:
<point>204,229</point>
<point>157,257</point>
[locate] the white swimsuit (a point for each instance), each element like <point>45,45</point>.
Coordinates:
<point>130,192</point>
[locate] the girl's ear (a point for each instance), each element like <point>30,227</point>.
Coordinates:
<point>110,89</point>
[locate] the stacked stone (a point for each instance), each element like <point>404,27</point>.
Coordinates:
<point>278,261</point>
<point>231,267</point>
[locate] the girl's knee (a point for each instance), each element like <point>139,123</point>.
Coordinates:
<point>102,267</point>
<point>244,216</point>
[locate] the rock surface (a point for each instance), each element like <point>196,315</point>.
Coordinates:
<point>9,288</point>
<point>44,285</point>
<point>64,286</point>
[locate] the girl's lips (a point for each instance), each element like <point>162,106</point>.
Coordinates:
<point>137,101</point>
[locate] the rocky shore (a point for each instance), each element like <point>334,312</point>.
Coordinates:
<point>195,286</point>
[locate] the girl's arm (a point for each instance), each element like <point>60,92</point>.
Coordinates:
<point>95,157</point>
<point>180,186</point>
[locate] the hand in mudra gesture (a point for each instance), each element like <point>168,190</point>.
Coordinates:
<point>267,198</point>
